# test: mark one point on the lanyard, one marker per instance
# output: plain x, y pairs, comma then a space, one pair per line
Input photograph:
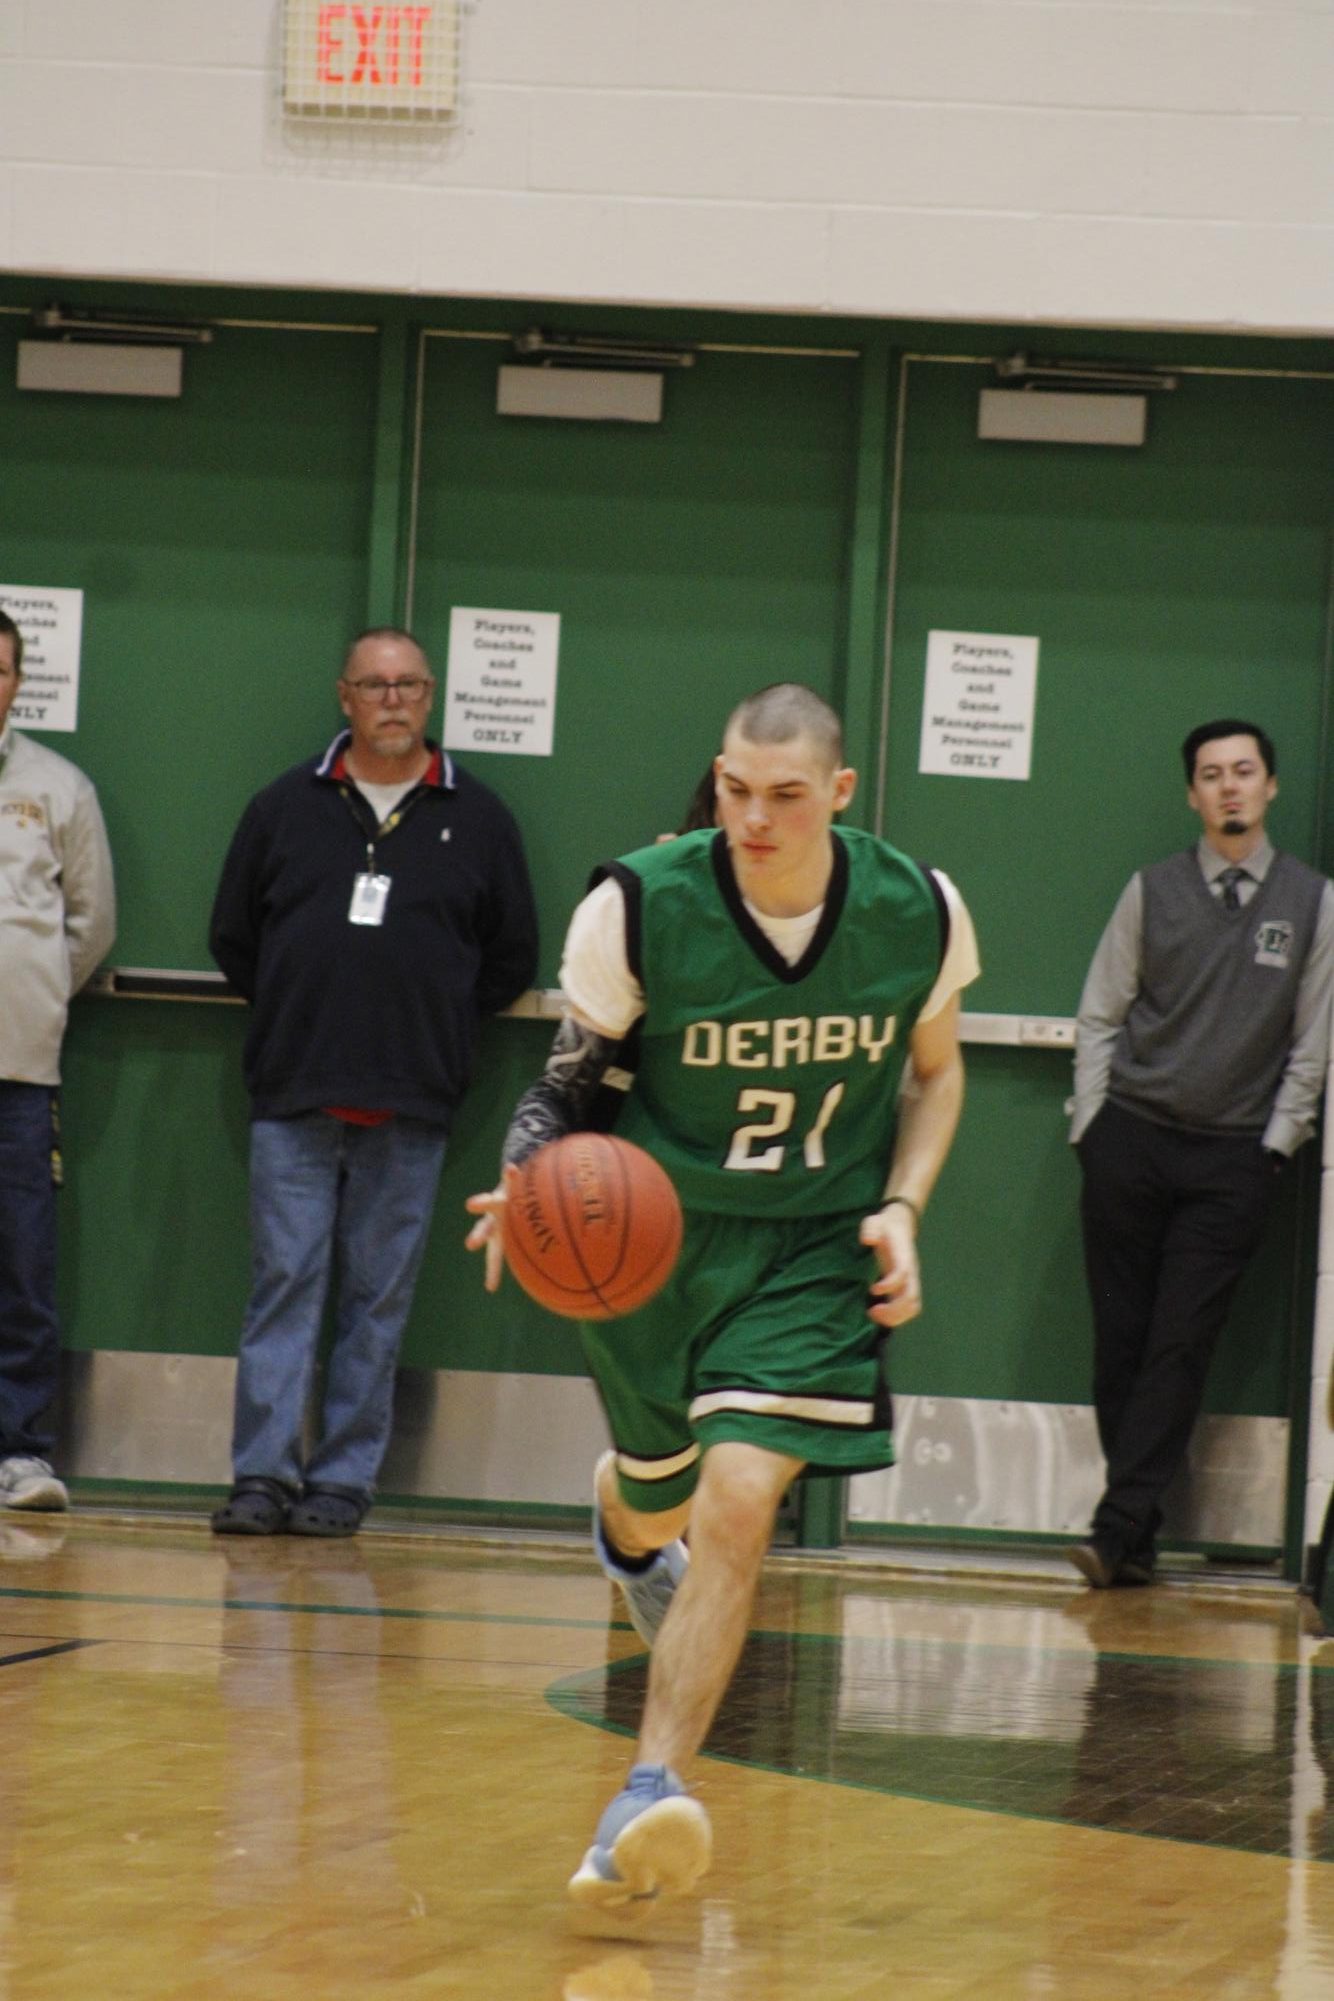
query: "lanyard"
351, 796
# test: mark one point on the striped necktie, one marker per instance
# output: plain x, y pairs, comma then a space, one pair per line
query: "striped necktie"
1231, 879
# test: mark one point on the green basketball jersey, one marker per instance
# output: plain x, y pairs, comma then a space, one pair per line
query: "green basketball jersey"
767, 1089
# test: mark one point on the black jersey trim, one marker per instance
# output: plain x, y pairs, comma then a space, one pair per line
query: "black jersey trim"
836, 895
884, 1396
941, 902
632, 889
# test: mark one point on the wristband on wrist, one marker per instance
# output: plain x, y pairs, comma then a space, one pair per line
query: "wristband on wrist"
890, 1200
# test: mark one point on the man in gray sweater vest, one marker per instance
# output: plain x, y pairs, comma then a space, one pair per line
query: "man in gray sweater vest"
1203, 1036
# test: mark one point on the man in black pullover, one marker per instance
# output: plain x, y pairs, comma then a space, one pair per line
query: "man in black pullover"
374, 904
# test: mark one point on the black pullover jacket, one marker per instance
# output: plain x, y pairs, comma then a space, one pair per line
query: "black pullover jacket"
365, 1016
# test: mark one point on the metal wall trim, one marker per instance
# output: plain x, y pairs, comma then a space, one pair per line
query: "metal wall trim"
516, 1440
1013, 1031
1036, 1468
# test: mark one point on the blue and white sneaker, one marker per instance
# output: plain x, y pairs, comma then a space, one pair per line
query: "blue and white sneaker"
647, 1593
652, 1839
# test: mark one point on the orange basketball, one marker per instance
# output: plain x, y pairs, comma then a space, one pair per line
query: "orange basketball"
593, 1228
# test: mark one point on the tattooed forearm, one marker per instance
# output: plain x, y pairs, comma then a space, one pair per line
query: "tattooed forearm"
559, 1101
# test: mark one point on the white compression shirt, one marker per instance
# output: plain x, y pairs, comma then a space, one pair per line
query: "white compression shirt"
382, 799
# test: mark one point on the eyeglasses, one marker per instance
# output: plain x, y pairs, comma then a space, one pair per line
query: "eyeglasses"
410, 689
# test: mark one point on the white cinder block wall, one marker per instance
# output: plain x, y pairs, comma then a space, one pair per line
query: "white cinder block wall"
1113, 162
1122, 162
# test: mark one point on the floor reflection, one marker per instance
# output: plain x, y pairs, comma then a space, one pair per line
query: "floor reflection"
287, 1772
1217, 1752
622, 1976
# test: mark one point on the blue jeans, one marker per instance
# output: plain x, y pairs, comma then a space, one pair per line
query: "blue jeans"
329, 1201
29, 1327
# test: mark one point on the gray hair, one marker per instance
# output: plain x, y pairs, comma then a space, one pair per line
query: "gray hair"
384, 632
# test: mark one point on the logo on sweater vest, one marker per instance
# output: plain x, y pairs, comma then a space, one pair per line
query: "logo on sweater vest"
1273, 944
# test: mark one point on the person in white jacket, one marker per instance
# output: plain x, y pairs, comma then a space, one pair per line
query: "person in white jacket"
57, 921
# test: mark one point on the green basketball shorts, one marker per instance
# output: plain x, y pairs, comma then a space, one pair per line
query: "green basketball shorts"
760, 1335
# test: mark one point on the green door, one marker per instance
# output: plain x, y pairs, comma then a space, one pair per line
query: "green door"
1166, 585
219, 541
691, 562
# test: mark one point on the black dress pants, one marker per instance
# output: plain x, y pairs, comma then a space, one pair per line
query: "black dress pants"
1170, 1219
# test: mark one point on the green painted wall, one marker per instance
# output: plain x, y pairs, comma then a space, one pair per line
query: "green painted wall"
691, 562
1167, 585
220, 542
1185, 580
230, 543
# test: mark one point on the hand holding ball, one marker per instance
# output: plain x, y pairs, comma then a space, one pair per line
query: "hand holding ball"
592, 1226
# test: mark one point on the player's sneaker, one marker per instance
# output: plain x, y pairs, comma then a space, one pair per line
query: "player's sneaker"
30, 1483
652, 1838
647, 1593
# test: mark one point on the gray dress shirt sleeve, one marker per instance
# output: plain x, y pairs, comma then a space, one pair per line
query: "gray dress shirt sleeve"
1292, 1119
1109, 989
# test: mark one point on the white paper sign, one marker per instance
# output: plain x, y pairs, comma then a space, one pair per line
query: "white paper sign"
51, 622
977, 716
500, 689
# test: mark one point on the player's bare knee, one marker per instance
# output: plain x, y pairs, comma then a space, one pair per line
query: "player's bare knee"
746, 1473
737, 1513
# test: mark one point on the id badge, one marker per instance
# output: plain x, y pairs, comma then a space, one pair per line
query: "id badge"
370, 894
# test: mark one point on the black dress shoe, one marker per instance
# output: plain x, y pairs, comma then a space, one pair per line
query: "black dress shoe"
1098, 1561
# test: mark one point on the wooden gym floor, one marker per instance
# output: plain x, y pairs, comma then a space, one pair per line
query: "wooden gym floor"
250, 1771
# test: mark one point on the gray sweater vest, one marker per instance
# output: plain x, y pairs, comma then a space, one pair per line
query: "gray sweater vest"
1208, 1034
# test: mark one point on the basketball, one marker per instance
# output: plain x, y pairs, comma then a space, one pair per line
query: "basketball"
593, 1228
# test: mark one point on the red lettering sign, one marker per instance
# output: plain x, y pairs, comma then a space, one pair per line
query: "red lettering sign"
391, 45
325, 43
416, 18
368, 22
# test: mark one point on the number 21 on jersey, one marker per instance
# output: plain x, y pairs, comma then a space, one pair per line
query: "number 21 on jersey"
749, 1152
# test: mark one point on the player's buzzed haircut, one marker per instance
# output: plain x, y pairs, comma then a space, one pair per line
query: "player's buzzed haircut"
384, 632
8, 628
786, 710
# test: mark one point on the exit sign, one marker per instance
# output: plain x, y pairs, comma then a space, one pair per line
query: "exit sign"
371, 59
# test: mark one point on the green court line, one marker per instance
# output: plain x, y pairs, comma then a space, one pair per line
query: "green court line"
429, 1617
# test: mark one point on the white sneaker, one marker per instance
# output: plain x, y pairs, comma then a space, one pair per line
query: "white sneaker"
30, 1483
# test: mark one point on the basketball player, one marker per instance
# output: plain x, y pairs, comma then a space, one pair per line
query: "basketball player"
790, 975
